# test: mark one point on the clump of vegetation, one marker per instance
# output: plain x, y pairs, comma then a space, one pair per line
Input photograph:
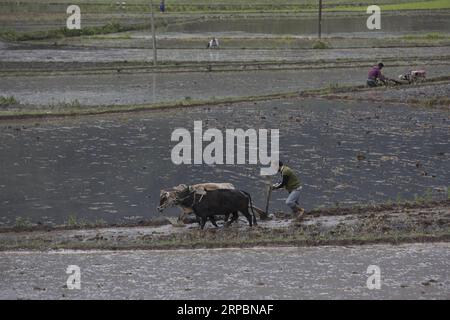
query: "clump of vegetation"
333, 87
75, 104
112, 27
418, 199
22, 223
319, 44
8, 101
435, 36
74, 222
72, 105
9, 35
100, 223
427, 36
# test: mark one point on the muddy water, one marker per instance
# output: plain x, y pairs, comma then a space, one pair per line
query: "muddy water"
109, 89
107, 167
332, 25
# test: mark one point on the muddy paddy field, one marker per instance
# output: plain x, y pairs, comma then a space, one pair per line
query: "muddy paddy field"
49, 91
112, 167
85, 148
261, 273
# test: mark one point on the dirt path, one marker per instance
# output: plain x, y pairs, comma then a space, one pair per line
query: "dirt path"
412, 271
334, 226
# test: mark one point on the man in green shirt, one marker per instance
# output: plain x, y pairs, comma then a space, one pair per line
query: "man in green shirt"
292, 184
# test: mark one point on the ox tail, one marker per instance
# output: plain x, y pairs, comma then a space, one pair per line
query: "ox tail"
251, 206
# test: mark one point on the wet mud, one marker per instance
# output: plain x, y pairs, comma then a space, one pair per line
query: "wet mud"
113, 167
413, 271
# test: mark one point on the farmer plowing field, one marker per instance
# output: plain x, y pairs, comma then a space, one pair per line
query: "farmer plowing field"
207, 200
376, 78
292, 184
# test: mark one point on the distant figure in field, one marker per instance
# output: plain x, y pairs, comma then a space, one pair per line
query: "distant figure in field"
375, 75
162, 6
213, 43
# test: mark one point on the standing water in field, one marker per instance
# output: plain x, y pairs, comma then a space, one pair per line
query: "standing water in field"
113, 167
332, 25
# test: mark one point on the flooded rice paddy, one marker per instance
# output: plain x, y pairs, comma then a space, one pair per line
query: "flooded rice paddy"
410, 271
112, 168
94, 55
333, 25
121, 89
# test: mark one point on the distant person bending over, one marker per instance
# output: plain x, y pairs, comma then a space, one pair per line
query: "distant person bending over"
375, 74
292, 184
213, 43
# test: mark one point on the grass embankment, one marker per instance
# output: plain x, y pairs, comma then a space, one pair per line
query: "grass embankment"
75, 109
427, 36
398, 6
112, 27
209, 241
265, 43
400, 223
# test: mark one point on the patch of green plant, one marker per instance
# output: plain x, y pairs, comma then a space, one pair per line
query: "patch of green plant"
72, 105
319, 44
9, 35
74, 222
427, 36
100, 223
112, 27
22, 223
333, 87
8, 101
418, 199
71, 221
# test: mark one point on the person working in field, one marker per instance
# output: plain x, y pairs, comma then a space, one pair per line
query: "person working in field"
213, 43
292, 184
375, 75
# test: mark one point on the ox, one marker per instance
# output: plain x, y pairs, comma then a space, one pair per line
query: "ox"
208, 199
